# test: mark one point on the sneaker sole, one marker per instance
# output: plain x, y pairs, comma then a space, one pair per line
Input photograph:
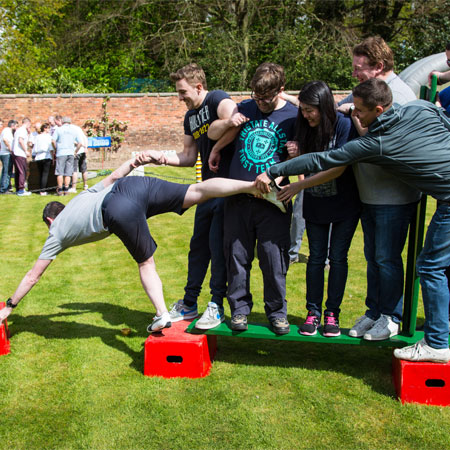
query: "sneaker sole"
306, 333
280, 332
167, 325
186, 317
332, 334
207, 326
239, 327
371, 338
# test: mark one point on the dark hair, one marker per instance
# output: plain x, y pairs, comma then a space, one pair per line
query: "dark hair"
447, 47
52, 210
376, 51
11, 123
268, 78
316, 139
373, 92
44, 126
192, 73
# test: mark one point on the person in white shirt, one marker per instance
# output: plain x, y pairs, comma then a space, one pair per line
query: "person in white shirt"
43, 151
79, 162
21, 152
6, 155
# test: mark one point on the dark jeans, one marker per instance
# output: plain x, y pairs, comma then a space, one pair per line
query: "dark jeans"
248, 222
385, 230
207, 245
44, 166
7, 163
340, 239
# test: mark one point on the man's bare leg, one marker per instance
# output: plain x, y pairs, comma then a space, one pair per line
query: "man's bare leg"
217, 187
152, 285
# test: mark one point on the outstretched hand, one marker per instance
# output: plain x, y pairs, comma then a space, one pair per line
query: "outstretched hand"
4, 313
150, 157
287, 192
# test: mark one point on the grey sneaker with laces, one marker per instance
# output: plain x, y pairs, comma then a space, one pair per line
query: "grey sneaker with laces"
180, 311
362, 325
211, 318
382, 329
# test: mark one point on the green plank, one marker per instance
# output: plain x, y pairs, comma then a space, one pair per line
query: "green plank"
262, 331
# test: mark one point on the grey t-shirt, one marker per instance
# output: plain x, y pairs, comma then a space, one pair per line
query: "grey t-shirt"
81, 221
375, 185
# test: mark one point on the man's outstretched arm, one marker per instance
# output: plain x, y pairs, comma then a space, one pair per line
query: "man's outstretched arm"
25, 286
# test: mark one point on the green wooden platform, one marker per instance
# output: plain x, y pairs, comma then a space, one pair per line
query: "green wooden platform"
262, 331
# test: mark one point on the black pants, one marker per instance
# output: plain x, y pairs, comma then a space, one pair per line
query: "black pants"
44, 169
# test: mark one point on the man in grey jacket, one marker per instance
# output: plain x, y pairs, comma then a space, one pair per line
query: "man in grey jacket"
412, 142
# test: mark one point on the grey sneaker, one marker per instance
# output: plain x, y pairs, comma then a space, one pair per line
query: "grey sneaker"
212, 317
362, 325
280, 326
383, 328
272, 197
239, 322
421, 351
180, 311
159, 322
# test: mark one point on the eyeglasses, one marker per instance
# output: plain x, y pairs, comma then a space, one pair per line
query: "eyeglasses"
266, 99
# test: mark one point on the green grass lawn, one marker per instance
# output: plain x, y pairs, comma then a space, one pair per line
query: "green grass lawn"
73, 381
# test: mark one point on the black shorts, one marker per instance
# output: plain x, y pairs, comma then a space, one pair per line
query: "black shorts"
131, 202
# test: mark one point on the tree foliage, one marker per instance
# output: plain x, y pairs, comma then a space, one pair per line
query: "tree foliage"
93, 46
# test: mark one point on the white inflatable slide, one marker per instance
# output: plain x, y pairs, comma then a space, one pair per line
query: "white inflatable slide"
416, 74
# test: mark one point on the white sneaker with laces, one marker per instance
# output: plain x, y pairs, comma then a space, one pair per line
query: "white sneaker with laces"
160, 322
72, 191
212, 317
180, 311
383, 328
362, 325
421, 351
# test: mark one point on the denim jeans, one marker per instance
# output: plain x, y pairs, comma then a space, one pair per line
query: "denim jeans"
385, 229
7, 163
297, 226
318, 238
431, 266
207, 245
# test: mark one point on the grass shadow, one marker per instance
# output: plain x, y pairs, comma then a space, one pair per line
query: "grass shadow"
49, 327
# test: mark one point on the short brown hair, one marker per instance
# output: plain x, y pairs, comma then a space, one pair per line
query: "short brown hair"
373, 92
376, 51
51, 210
268, 77
192, 73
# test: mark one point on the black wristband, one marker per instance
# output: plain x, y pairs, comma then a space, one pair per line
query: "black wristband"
10, 304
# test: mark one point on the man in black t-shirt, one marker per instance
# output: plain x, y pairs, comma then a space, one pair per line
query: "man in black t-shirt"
206, 244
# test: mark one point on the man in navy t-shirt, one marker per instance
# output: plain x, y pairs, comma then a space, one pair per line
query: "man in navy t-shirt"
206, 244
261, 127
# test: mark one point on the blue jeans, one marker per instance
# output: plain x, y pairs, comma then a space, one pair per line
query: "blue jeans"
431, 266
5, 179
318, 238
297, 226
385, 229
207, 245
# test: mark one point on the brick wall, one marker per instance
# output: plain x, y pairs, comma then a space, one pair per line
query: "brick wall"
154, 120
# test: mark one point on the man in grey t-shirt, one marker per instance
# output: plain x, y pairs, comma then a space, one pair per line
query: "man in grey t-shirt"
121, 206
388, 203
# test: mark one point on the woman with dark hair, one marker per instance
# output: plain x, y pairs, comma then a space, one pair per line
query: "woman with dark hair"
331, 205
43, 150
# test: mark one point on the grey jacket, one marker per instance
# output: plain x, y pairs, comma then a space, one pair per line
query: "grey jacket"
411, 141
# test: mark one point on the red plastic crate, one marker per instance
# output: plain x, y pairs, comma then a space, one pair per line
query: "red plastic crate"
4, 336
175, 353
421, 382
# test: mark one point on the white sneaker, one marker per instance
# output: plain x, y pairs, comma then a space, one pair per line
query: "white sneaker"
72, 191
272, 197
383, 328
421, 351
160, 322
43, 192
212, 317
180, 311
362, 325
